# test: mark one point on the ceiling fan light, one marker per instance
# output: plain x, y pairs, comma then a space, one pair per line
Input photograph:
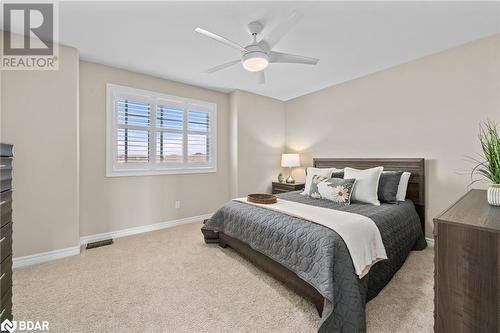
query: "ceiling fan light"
255, 61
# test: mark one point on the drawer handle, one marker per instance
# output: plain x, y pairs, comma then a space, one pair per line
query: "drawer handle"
1, 277
1, 313
1, 203
1, 240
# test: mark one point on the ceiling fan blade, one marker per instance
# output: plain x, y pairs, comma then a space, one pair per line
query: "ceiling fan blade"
275, 35
261, 77
225, 65
220, 39
291, 58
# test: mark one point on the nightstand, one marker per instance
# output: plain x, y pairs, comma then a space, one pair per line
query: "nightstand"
284, 187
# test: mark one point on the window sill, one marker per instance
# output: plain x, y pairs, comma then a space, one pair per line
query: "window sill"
159, 172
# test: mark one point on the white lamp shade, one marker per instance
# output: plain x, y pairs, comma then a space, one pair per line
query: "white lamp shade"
290, 160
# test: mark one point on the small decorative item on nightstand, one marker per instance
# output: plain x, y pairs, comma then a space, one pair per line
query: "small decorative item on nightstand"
286, 187
281, 178
290, 161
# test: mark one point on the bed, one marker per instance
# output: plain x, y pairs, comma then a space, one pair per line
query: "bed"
313, 260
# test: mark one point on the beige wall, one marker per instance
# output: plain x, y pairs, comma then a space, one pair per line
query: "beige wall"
426, 108
39, 115
110, 204
257, 141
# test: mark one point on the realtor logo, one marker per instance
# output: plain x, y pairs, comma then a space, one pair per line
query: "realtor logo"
8, 325
29, 35
37, 21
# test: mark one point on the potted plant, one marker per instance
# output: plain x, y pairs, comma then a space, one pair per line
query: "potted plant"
489, 165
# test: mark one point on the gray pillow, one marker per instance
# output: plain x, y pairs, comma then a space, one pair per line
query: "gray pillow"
337, 190
339, 174
388, 186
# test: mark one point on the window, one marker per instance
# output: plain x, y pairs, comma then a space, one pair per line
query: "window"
150, 133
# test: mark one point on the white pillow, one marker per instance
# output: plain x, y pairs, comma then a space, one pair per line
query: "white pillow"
366, 187
311, 172
403, 186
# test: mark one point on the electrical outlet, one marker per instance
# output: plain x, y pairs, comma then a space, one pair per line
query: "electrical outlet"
177, 204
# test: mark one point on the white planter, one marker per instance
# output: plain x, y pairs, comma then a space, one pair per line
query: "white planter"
494, 194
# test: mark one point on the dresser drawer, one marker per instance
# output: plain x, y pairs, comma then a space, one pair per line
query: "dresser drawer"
5, 185
5, 197
5, 150
5, 207
5, 163
5, 213
6, 276
6, 306
5, 174
5, 241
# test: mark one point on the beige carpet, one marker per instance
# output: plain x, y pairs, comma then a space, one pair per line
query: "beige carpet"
170, 281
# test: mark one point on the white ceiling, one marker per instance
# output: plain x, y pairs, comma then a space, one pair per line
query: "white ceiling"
351, 39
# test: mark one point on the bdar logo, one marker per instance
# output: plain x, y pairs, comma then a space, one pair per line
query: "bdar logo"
9, 326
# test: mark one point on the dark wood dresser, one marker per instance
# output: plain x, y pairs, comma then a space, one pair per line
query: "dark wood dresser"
467, 266
5, 232
286, 187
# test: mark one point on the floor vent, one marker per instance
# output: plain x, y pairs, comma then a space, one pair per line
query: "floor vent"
99, 243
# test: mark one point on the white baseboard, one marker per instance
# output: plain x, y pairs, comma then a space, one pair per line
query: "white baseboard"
144, 228
430, 241
45, 256
75, 250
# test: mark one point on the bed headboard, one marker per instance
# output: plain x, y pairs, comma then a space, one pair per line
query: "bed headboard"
416, 185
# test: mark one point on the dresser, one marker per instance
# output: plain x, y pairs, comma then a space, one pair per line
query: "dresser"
467, 266
286, 187
5, 231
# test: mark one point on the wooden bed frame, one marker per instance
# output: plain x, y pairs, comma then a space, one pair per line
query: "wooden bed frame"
415, 192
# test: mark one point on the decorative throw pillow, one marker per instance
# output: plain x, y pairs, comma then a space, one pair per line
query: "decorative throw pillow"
337, 190
388, 186
403, 186
315, 181
338, 174
310, 172
366, 187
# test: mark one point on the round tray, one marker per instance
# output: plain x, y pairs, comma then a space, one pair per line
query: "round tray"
262, 198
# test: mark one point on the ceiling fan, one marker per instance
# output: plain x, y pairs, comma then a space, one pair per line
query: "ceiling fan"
256, 56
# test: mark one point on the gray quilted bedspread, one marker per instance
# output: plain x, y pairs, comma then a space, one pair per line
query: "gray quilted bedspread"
320, 257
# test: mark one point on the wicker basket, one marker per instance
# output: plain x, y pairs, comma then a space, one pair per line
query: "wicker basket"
264, 199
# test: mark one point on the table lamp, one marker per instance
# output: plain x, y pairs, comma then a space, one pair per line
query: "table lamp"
290, 161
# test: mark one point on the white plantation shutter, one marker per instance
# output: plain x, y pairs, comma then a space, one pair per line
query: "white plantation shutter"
132, 145
151, 133
132, 134
169, 137
198, 136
